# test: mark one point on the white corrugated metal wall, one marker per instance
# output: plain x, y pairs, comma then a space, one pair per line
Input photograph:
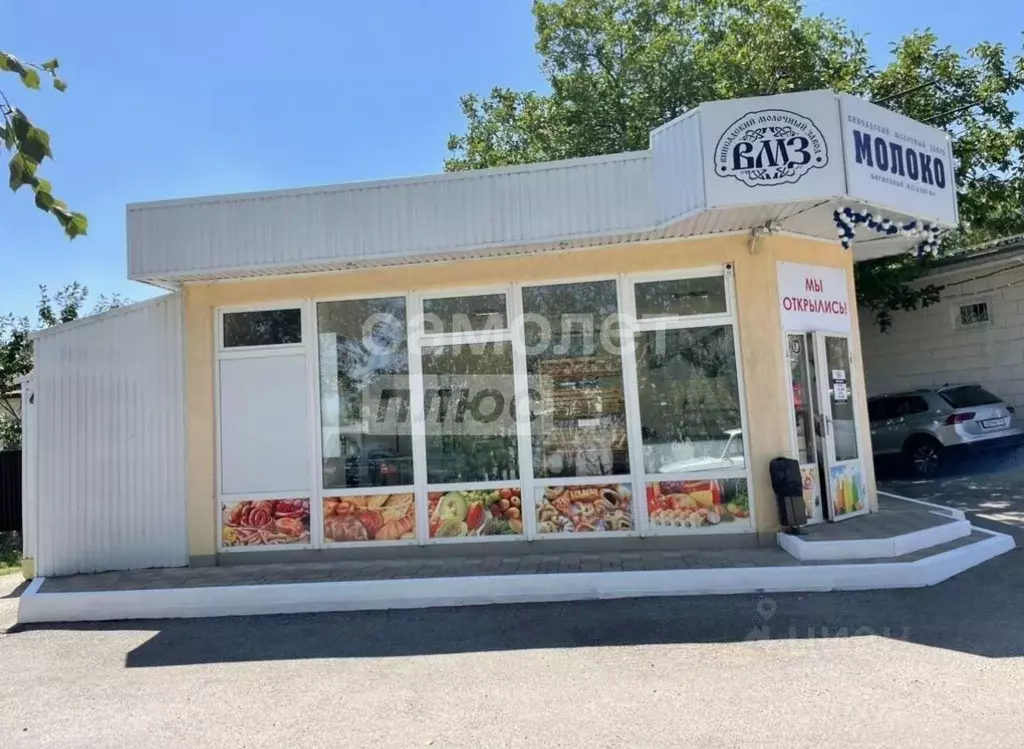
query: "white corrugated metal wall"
109, 442
403, 218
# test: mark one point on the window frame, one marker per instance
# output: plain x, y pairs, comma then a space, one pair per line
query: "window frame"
728, 318
268, 349
958, 307
222, 353
539, 484
528, 484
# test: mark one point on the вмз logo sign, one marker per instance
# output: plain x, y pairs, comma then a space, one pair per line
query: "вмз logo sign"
770, 147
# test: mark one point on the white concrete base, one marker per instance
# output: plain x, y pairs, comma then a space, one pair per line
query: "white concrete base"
467, 591
873, 548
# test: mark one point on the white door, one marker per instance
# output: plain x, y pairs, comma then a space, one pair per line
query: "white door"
845, 489
803, 421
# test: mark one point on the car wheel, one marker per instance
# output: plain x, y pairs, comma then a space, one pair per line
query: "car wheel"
924, 457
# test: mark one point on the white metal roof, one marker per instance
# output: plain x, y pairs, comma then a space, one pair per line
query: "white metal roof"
679, 187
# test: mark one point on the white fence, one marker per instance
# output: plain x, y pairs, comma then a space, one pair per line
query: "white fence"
104, 486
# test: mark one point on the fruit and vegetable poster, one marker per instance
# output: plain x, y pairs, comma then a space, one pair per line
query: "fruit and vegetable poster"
849, 492
584, 509
378, 517
698, 504
485, 512
267, 522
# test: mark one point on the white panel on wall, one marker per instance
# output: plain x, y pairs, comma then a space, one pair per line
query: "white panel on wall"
676, 163
109, 442
264, 425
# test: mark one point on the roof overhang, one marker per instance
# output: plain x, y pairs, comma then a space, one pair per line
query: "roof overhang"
785, 163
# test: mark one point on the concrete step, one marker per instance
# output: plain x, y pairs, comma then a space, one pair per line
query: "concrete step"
823, 549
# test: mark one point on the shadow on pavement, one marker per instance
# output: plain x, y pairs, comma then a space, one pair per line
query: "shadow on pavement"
978, 612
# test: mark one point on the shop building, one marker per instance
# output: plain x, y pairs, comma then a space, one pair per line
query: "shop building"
594, 353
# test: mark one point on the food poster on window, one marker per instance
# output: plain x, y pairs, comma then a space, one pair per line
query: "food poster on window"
704, 503
376, 517
847, 489
481, 512
265, 522
584, 509
812, 496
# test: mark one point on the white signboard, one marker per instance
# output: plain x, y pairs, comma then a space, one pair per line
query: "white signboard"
813, 298
840, 393
771, 149
897, 163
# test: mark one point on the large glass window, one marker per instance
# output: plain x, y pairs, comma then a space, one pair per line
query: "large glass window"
574, 363
364, 393
689, 400
468, 398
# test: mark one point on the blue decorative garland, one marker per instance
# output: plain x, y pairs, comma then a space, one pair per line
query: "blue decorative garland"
847, 219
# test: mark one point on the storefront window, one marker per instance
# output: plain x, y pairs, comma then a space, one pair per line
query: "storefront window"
689, 400
574, 364
463, 314
681, 297
470, 424
364, 393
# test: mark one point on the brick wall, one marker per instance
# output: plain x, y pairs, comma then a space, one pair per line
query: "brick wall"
927, 348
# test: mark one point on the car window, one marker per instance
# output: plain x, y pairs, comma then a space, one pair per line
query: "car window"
908, 405
879, 409
968, 396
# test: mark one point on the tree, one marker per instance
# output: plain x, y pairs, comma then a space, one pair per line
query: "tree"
16, 348
619, 68
30, 145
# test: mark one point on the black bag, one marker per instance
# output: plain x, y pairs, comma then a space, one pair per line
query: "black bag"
789, 491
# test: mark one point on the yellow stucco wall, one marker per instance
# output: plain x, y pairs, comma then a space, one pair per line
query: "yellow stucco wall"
757, 308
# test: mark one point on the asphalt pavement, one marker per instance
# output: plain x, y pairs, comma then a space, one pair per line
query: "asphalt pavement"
939, 666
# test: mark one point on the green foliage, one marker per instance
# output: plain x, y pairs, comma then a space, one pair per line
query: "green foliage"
30, 145
619, 68
16, 348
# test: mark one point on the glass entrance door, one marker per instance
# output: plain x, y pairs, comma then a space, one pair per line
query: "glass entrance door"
844, 484
803, 422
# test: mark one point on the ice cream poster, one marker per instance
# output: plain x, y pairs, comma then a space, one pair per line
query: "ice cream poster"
848, 491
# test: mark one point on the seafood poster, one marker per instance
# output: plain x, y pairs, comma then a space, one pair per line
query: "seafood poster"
484, 512
698, 504
266, 522
378, 517
584, 509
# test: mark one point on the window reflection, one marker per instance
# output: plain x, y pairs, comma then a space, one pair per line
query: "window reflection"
364, 393
689, 400
573, 359
470, 425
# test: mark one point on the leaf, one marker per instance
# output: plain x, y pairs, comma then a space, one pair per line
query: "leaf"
22, 172
50, 66
79, 226
36, 145
30, 78
44, 200
59, 84
20, 124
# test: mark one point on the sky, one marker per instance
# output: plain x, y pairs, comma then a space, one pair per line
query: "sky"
188, 98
